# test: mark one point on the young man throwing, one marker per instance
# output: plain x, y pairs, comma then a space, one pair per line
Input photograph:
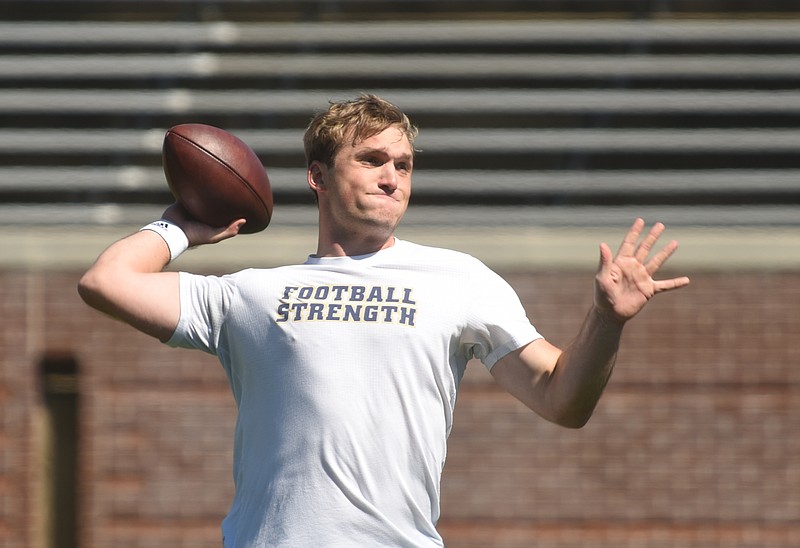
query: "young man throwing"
345, 368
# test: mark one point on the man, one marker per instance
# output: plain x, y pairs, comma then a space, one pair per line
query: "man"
345, 369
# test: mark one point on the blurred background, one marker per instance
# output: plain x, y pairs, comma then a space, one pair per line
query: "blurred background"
547, 126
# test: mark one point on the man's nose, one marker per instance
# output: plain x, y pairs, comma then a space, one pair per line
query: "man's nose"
388, 180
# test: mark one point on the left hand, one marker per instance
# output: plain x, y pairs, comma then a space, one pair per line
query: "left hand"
624, 283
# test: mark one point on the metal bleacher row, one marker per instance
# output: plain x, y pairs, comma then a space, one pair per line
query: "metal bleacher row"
552, 113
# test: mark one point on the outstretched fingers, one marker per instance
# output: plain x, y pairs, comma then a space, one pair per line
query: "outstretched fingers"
632, 247
657, 260
646, 246
670, 284
629, 244
655, 263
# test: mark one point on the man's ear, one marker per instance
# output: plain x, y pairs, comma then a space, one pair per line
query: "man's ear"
317, 172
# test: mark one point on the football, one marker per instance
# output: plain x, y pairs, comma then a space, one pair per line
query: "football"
216, 177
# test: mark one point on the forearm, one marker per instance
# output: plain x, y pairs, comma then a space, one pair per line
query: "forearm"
142, 252
564, 386
583, 369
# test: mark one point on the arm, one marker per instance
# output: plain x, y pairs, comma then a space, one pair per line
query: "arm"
564, 386
127, 282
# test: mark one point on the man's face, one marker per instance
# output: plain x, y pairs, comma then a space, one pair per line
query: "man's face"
369, 184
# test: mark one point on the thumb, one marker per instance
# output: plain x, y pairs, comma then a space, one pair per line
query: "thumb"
606, 257
229, 231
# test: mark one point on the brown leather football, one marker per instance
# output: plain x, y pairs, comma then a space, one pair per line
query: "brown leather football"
217, 177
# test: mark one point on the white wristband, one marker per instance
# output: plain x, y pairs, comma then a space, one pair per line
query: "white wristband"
173, 235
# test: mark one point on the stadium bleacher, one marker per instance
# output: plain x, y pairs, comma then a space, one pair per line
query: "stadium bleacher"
551, 112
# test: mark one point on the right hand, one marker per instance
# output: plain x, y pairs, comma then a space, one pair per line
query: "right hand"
200, 233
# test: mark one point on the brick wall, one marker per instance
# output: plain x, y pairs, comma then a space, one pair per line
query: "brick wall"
694, 444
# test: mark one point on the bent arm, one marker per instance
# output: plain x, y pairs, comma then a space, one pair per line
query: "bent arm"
563, 386
127, 283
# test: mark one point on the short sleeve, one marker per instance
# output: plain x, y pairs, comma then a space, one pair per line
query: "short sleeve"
496, 320
205, 302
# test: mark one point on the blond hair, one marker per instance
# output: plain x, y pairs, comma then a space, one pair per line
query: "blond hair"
355, 120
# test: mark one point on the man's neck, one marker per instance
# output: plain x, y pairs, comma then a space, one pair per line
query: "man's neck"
352, 248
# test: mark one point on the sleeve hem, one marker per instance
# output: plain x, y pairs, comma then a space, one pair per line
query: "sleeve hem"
505, 349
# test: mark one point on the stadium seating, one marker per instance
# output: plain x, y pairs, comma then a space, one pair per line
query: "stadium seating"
552, 112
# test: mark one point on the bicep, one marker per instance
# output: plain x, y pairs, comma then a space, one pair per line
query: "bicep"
526, 373
154, 305
149, 302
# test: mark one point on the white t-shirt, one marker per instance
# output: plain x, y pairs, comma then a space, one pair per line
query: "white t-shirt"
345, 372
